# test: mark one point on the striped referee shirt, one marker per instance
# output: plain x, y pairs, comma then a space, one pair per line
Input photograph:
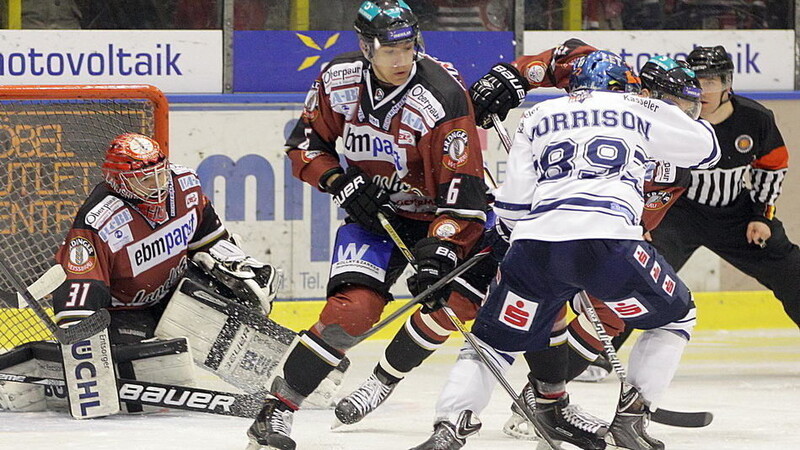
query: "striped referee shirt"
754, 157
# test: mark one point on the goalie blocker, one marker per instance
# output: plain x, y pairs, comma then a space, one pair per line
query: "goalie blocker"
236, 343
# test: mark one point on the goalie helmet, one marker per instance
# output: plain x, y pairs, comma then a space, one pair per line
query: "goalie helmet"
711, 62
387, 22
603, 70
137, 169
672, 80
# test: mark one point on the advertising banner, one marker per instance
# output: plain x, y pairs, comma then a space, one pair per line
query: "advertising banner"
763, 59
288, 61
174, 61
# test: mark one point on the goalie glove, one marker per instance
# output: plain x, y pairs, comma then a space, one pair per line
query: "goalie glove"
252, 281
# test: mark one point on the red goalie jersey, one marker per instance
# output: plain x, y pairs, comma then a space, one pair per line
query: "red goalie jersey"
116, 258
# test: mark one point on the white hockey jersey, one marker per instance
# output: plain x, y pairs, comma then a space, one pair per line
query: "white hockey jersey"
577, 166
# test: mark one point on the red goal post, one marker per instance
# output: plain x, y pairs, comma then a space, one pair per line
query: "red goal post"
52, 142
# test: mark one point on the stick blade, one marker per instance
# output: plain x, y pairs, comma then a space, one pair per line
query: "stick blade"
44, 285
682, 419
84, 329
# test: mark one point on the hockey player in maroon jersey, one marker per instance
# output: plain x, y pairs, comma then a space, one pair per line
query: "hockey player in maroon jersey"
131, 242
409, 140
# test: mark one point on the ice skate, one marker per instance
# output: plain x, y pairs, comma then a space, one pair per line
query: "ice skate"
448, 436
371, 394
272, 427
518, 426
629, 427
570, 425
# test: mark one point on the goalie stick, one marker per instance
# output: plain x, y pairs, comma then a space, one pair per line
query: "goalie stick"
46, 284
168, 396
472, 342
662, 416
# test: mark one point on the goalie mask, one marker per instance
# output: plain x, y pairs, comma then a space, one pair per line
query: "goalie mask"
137, 169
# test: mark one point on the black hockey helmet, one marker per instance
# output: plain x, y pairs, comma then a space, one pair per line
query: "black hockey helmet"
711, 62
663, 75
386, 22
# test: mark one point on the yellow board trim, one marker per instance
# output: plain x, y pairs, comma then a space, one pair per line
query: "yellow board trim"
715, 311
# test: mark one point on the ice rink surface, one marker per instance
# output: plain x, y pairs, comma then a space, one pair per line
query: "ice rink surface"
749, 379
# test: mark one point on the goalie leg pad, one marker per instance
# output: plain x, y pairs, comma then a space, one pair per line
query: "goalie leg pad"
20, 397
90, 377
235, 343
157, 361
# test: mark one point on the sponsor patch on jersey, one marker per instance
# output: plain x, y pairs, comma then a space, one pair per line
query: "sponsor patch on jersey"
657, 199
364, 143
535, 73
456, 145
655, 272
192, 199
517, 312
405, 137
668, 285
641, 256
744, 143
119, 219
308, 155
169, 241
188, 182
446, 229
119, 238
98, 215
628, 308
426, 104
342, 74
82, 256
311, 103
342, 96
413, 120
181, 170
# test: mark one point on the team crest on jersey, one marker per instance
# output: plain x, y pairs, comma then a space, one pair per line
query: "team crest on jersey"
311, 103
98, 215
628, 308
657, 200
641, 256
744, 143
517, 312
456, 144
82, 256
192, 199
535, 73
446, 229
668, 285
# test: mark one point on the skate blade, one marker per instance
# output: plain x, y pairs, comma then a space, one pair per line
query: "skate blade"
336, 424
256, 446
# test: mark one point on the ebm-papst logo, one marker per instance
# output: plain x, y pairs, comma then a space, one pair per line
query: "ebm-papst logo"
364, 143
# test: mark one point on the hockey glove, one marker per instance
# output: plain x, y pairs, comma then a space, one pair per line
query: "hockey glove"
497, 92
357, 194
435, 258
253, 282
498, 237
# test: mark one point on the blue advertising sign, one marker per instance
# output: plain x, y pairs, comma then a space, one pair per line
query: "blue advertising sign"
288, 61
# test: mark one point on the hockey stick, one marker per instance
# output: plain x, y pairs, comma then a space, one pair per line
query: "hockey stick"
472, 342
468, 264
168, 396
662, 416
46, 284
